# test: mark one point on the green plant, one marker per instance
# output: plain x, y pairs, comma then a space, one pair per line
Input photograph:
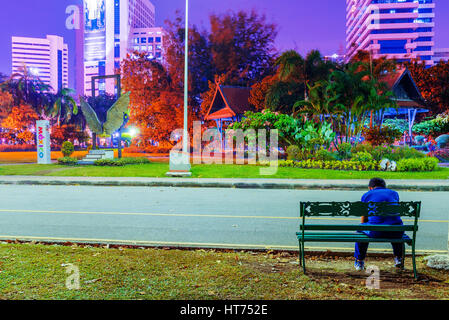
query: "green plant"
442, 155
418, 165
363, 147
68, 161
332, 165
325, 155
362, 156
293, 153
121, 162
386, 135
67, 148
344, 150
399, 124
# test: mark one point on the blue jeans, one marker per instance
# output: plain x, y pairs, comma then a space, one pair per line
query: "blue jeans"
361, 248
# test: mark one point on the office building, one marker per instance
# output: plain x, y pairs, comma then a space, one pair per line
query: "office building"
149, 40
46, 58
441, 55
399, 29
106, 38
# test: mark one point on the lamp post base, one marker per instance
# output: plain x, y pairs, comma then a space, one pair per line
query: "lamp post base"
179, 164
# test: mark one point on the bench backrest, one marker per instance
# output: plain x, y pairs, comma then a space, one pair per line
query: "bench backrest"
359, 209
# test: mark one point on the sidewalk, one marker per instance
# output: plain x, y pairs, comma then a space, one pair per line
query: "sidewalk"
292, 184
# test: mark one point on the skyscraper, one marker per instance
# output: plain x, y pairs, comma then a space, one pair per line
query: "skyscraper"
400, 29
46, 58
106, 37
150, 40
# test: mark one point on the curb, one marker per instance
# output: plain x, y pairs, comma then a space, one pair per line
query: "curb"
197, 183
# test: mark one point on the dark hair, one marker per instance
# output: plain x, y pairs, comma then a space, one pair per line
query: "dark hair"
377, 183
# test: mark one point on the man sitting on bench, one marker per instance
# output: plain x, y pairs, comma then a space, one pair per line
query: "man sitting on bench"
379, 193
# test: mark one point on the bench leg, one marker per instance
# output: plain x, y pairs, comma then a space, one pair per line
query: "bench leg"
300, 254
403, 256
303, 258
414, 261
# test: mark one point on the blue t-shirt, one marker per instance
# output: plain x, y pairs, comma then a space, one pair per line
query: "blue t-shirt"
382, 195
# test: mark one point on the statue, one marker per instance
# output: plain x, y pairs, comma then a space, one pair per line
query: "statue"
116, 118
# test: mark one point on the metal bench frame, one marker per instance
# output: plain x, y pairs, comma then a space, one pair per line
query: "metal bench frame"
329, 233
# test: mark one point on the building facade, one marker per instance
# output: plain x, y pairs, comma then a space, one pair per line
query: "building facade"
399, 29
149, 40
441, 55
46, 58
106, 38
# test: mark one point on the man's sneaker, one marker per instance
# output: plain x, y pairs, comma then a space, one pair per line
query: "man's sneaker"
359, 265
398, 262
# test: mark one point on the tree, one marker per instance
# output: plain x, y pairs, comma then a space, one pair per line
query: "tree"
156, 101
28, 89
295, 75
6, 103
433, 83
242, 46
17, 126
259, 92
64, 106
201, 69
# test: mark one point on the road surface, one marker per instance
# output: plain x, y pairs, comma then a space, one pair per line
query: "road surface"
190, 217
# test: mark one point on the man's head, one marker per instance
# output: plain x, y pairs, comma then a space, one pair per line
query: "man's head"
377, 183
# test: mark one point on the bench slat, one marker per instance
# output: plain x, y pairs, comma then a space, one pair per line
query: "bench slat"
328, 227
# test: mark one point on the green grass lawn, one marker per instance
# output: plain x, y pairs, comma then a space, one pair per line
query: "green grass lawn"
211, 171
34, 271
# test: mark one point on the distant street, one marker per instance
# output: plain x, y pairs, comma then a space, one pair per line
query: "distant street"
235, 218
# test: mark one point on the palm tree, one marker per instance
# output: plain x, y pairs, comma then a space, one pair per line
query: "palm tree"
294, 70
64, 106
27, 88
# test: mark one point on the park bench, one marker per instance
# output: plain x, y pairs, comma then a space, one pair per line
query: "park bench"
348, 232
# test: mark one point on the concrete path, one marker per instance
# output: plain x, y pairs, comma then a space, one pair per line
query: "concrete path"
292, 184
188, 217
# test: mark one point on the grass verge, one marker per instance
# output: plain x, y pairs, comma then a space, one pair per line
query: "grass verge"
157, 169
35, 271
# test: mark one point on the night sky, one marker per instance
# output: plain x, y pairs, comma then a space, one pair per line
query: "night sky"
303, 24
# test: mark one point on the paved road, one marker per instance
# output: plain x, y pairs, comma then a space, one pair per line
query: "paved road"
238, 218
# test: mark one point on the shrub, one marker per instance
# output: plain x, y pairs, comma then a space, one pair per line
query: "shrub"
325, 155
293, 153
362, 157
344, 150
382, 152
133, 149
120, 162
17, 147
67, 149
386, 135
417, 165
442, 141
332, 165
365, 147
154, 149
405, 153
109, 163
398, 124
139, 160
68, 161
442, 155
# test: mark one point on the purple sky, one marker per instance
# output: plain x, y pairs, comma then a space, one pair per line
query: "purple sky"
303, 24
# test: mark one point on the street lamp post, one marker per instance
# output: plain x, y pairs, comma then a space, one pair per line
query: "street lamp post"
186, 84
180, 161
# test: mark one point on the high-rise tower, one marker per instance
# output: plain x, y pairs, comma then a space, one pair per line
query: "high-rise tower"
400, 29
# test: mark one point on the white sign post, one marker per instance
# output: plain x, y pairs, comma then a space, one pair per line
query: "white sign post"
43, 142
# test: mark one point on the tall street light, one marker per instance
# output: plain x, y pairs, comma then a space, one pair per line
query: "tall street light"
180, 161
185, 139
